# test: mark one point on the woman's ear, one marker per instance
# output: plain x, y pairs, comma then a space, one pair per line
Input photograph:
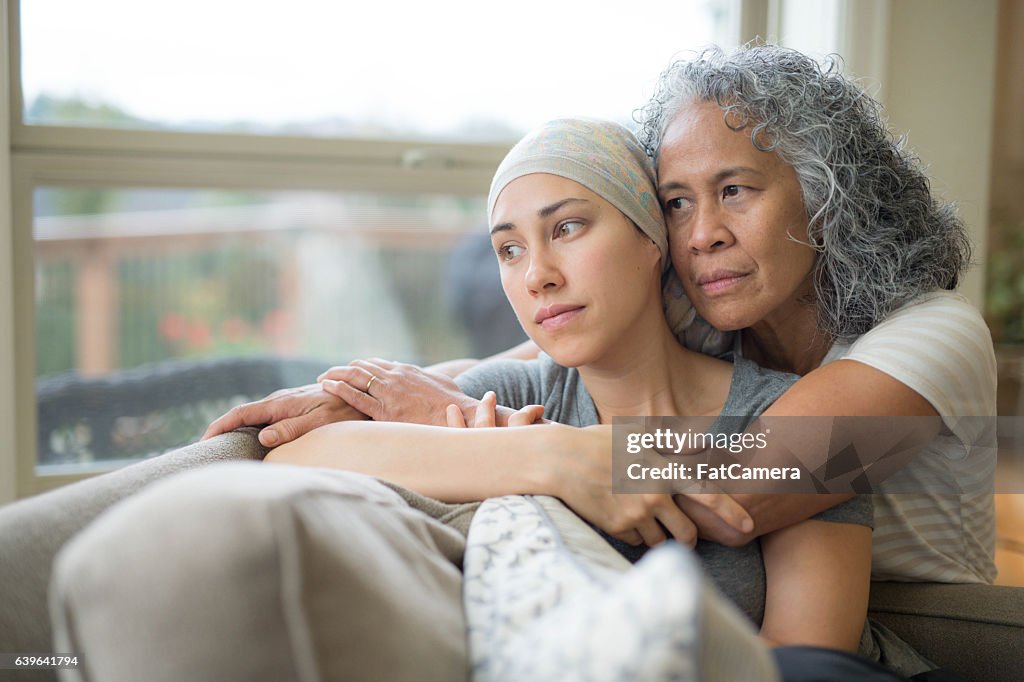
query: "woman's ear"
652, 250
655, 255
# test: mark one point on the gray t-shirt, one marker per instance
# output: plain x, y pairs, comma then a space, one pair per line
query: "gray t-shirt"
738, 572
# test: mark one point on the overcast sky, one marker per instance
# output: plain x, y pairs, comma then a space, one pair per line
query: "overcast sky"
428, 65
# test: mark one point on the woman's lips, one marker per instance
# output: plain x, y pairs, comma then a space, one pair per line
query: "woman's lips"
557, 316
718, 282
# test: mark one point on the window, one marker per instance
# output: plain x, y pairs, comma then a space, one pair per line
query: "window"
224, 183
137, 288
439, 70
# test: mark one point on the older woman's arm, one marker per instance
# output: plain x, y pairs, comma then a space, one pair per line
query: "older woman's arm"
419, 396
843, 388
930, 357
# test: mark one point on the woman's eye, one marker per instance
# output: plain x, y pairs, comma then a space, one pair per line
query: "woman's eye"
677, 204
509, 252
730, 191
568, 227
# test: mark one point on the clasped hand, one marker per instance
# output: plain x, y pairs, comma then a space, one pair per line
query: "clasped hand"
581, 475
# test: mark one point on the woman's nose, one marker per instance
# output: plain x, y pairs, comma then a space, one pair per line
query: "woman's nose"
544, 273
709, 230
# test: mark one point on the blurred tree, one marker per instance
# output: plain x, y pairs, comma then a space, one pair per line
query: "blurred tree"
1005, 299
52, 110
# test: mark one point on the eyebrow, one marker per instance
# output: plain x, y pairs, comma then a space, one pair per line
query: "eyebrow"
718, 177
542, 213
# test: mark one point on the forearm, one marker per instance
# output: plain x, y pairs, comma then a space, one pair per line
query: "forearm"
842, 389
452, 465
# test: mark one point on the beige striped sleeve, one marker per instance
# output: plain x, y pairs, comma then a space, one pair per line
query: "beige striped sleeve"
940, 346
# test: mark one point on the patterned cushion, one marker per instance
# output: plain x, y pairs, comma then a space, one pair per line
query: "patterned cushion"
546, 597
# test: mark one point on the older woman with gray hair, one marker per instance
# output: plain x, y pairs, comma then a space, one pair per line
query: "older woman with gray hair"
880, 238
798, 220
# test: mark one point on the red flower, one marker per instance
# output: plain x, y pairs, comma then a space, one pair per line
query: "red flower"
276, 323
173, 326
199, 335
234, 329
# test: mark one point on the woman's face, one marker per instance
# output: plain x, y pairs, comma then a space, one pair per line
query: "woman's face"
733, 213
577, 272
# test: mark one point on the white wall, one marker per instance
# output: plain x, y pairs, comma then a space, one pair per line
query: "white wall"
932, 65
939, 88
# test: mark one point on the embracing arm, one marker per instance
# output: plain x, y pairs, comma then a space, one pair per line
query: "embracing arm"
818, 576
933, 356
401, 392
458, 465
411, 394
843, 388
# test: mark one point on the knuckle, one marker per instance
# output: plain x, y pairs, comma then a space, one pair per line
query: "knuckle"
688, 533
685, 533
651, 503
618, 527
625, 524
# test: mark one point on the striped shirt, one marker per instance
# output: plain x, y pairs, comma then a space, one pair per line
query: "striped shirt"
939, 346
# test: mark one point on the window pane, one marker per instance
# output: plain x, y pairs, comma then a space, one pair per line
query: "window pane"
146, 300
453, 69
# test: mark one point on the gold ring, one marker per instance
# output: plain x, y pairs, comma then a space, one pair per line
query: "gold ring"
369, 383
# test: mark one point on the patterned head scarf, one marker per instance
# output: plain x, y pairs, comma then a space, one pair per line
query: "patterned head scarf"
605, 158
602, 156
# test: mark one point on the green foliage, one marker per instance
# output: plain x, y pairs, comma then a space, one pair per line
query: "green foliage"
48, 109
72, 201
1005, 299
55, 317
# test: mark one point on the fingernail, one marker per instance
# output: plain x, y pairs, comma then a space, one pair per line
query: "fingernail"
747, 525
269, 438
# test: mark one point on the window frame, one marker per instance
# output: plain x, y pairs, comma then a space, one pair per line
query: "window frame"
44, 155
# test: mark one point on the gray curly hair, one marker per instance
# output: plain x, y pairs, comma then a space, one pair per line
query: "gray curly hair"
881, 237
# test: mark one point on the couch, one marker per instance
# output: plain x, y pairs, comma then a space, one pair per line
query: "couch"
976, 630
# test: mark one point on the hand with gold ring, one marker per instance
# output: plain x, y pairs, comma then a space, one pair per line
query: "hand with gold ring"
401, 392
287, 414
